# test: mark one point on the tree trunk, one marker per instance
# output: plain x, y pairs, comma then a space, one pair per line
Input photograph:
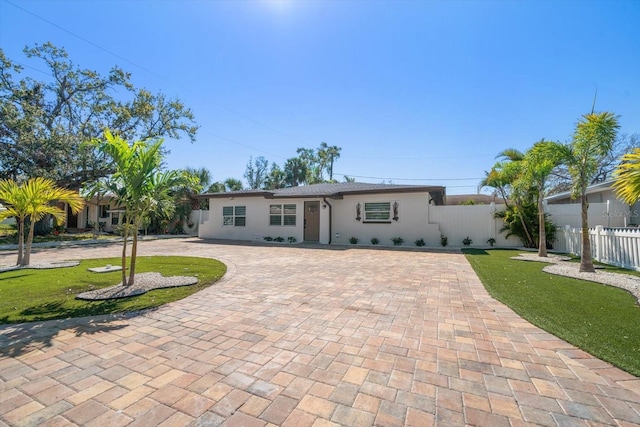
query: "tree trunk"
524, 226
542, 231
27, 252
134, 251
20, 240
586, 261
124, 255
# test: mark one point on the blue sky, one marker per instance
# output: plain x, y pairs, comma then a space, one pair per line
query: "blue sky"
416, 92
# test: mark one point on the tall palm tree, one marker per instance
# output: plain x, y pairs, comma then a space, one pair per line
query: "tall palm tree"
592, 140
627, 177
34, 200
139, 185
538, 164
327, 156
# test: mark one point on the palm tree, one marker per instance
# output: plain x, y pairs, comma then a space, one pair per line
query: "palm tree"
327, 156
627, 177
139, 186
296, 171
503, 173
34, 200
592, 140
232, 184
504, 177
538, 164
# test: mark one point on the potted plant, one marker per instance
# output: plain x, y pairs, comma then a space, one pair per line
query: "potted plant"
491, 241
467, 241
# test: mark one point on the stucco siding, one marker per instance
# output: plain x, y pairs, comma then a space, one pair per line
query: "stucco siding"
412, 223
257, 220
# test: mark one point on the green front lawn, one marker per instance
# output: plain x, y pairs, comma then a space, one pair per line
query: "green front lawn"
602, 320
29, 295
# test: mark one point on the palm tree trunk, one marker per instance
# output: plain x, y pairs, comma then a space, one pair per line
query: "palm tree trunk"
524, 226
20, 240
586, 261
542, 232
134, 251
124, 255
27, 252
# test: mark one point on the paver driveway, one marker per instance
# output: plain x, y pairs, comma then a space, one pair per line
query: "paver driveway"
307, 336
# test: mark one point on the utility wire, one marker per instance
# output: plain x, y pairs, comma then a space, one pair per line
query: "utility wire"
408, 179
85, 40
412, 158
149, 71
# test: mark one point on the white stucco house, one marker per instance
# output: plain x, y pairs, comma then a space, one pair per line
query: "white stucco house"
324, 213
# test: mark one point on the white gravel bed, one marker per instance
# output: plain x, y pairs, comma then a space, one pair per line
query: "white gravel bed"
40, 266
143, 283
572, 269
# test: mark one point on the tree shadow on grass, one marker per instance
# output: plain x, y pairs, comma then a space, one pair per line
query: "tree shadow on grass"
21, 338
474, 251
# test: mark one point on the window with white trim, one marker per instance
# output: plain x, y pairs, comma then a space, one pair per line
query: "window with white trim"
234, 216
377, 212
284, 214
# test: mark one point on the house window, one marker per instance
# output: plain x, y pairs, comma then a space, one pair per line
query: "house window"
282, 215
103, 211
377, 212
234, 216
115, 217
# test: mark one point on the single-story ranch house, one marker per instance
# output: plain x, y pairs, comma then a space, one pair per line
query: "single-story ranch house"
324, 213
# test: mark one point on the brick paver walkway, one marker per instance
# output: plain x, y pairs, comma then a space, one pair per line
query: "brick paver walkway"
298, 336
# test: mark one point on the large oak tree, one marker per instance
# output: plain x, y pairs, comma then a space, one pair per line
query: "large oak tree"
44, 121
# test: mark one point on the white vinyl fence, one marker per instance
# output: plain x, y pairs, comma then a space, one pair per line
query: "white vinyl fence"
614, 246
477, 222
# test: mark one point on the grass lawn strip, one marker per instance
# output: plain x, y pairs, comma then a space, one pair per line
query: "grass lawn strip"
601, 320
28, 295
571, 269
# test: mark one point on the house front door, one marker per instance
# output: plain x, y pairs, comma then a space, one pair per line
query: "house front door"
72, 219
311, 221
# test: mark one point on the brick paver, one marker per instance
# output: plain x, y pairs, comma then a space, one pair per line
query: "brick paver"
299, 335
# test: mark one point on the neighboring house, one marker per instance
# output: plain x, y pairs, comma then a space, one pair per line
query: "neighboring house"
604, 208
325, 213
105, 210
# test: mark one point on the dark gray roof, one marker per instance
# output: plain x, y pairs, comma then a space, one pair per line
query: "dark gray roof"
335, 191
